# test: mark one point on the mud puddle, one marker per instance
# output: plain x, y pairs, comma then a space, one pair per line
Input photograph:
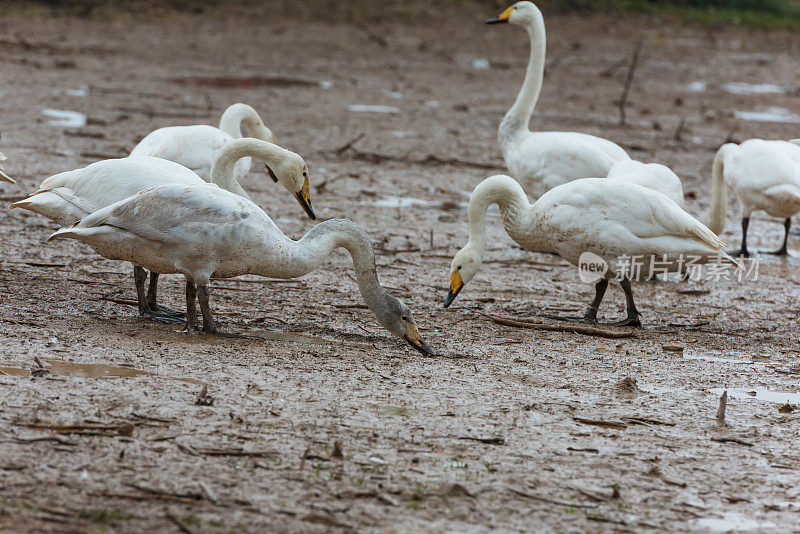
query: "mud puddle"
790, 397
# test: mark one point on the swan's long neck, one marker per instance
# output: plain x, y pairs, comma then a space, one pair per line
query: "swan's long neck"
231, 120
309, 252
518, 116
510, 198
223, 165
719, 192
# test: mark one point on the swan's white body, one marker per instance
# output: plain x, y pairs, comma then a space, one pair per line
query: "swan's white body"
652, 175
544, 160
69, 196
203, 231
614, 220
763, 175
194, 146
3, 176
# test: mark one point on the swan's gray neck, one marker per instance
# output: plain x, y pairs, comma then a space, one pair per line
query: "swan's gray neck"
517, 119
314, 247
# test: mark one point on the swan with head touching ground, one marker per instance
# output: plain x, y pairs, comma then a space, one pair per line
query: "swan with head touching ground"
764, 175
544, 160
613, 220
194, 146
202, 231
3, 176
70, 196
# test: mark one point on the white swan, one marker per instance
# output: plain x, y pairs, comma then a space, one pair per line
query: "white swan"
70, 196
194, 146
652, 175
764, 175
3, 176
613, 220
544, 160
202, 231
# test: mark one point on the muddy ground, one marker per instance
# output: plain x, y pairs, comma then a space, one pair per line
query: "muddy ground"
487, 435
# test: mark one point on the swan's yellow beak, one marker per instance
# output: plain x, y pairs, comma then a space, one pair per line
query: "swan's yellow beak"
503, 17
414, 339
456, 285
304, 198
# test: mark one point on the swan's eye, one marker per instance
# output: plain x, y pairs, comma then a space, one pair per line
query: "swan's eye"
458, 268
305, 174
405, 318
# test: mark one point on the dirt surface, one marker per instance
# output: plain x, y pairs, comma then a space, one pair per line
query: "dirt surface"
492, 433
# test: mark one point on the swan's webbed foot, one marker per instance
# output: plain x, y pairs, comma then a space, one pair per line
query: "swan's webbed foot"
783, 251
159, 317
630, 320
166, 312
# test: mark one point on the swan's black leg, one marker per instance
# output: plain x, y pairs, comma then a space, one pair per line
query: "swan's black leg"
208, 317
591, 313
139, 277
743, 250
633, 314
152, 296
783, 251
191, 306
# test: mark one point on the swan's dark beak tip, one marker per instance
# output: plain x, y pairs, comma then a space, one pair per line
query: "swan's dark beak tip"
420, 346
495, 20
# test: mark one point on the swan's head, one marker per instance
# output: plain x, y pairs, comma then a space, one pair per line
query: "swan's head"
465, 266
395, 317
256, 127
521, 13
292, 173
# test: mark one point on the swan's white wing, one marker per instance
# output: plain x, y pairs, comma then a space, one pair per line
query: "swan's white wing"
179, 214
193, 147
615, 219
652, 175
548, 159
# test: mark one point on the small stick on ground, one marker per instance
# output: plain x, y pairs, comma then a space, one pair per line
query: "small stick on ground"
183, 527
723, 403
577, 329
626, 88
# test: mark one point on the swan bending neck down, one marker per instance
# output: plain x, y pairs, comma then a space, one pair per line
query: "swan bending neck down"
3, 176
224, 235
613, 220
238, 115
543, 160
764, 175
68, 197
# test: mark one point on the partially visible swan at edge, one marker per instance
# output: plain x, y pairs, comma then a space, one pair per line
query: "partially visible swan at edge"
194, 146
202, 231
3, 176
544, 160
611, 219
70, 196
651, 175
764, 175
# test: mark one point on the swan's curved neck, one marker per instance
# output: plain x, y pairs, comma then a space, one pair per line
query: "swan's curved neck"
231, 120
518, 116
313, 248
223, 165
719, 193
510, 198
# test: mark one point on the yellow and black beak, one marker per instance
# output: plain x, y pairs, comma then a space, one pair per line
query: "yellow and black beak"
414, 339
304, 198
456, 285
502, 17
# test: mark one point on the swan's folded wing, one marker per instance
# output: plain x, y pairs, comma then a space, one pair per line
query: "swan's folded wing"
177, 214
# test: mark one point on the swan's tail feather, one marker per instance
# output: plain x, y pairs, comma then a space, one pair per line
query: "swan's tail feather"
6, 178
73, 232
719, 196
